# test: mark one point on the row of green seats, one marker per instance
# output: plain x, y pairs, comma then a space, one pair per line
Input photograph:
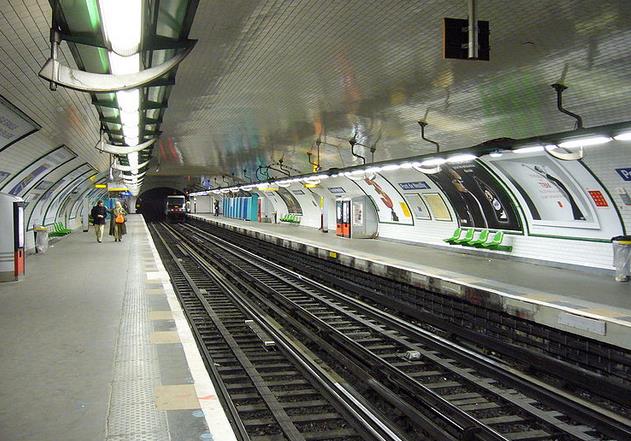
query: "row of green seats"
468, 240
59, 230
291, 218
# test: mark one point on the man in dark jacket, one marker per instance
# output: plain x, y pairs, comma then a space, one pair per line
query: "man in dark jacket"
98, 219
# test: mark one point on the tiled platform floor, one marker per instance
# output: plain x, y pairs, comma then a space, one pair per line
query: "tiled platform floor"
94, 346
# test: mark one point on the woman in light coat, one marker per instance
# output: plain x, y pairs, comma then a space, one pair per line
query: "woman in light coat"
118, 229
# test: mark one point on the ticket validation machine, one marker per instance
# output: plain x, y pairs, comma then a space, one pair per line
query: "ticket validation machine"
343, 218
12, 238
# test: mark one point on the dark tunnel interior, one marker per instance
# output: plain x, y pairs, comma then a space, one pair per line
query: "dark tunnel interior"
151, 203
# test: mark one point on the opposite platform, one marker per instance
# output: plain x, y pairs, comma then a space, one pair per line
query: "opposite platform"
94, 346
587, 304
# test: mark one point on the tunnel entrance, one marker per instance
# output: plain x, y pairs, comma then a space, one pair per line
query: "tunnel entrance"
151, 203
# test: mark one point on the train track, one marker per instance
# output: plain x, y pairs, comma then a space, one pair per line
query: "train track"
461, 394
588, 367
271, 389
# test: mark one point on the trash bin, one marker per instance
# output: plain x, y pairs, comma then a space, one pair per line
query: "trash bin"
622, 257
41, 239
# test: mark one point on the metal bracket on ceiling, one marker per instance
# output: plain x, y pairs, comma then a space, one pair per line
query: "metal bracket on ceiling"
139, 175
284, 170
245, 175
58, 74
353, 142
278, 170
121, 167
423, 124
121, 149
559, 152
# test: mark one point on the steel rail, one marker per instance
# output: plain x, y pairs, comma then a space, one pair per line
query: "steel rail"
344, 397
587, 365
602, 420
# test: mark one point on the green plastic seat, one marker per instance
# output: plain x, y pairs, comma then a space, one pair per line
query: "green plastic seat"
496, 243
60, 230
466, 238
482, 238
455, 236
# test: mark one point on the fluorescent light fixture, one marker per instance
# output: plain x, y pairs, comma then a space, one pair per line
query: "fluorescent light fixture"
246, 188
283, 184
457, 159
433, 162
373, 170
122, 24
124, 65
131, 131
128, 100
130, 118
391, 167
496, 154
323, 176
132, 158
624, 136
131, 141
584, 142
529, 149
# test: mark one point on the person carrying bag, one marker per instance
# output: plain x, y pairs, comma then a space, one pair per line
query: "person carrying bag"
118, 225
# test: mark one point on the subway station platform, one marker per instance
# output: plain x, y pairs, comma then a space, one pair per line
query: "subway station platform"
584, 303
94, 345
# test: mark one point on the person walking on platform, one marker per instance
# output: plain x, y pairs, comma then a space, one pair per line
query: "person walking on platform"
98, 220
117, 224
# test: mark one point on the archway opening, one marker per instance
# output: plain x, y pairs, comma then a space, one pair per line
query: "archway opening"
151, 203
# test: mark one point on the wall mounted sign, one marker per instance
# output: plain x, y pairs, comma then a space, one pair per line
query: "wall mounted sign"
337, 190
625, 173
421, 185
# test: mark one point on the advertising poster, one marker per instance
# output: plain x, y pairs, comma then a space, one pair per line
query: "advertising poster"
290, 200
551, 195
67, 185
477, 197
26, 179
358, 213
437, 206
4, 175
418, 207
13, 124
391, 207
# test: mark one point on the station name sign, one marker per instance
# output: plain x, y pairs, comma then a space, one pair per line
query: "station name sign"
420, 185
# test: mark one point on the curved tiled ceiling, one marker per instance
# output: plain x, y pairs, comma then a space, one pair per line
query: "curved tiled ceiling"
268, 77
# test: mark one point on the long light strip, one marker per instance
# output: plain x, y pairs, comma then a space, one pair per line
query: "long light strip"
432, 164
122, 24
624, 136
584, 142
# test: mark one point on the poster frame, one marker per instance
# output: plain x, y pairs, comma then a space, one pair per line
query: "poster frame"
21, 114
